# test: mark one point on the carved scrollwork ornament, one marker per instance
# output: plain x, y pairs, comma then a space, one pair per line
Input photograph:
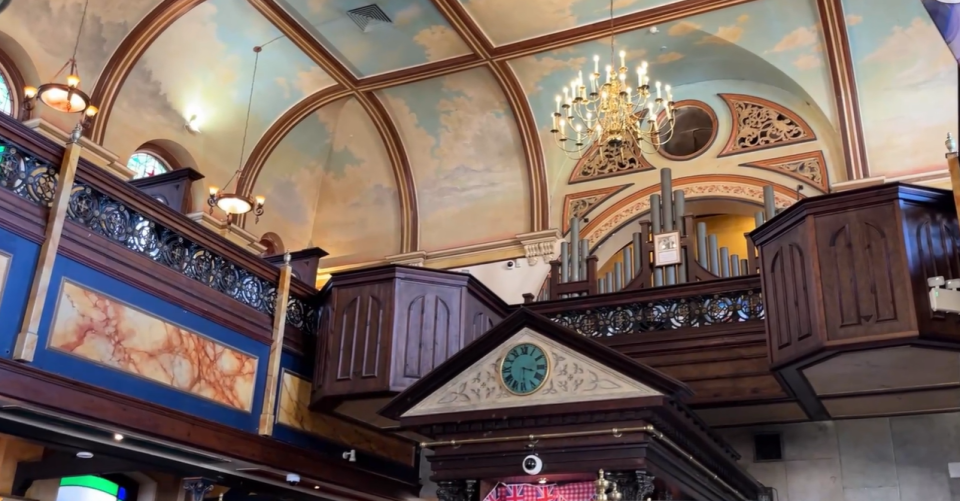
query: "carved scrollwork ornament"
634, 485
197, 487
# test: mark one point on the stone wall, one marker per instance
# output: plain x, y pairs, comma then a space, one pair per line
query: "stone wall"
883, 459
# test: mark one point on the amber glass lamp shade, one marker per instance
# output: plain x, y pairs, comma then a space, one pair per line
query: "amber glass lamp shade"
65, 98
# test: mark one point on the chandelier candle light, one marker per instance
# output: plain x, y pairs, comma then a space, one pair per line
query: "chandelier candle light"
609, 111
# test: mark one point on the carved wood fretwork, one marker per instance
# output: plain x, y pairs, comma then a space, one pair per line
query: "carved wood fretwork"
760, 124
811, 168
581, 203
633, 485
610, 161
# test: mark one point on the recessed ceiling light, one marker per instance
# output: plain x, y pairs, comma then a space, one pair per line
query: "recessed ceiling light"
118, 437
316, 487
84, 455
542, 481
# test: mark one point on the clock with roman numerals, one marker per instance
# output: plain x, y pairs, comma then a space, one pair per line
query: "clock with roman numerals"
524, 369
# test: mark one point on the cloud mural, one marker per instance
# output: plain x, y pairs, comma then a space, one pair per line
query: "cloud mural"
506, 21
467, 158
47, 31
417, 35
218, 37
907, 84
330, 181
765, 46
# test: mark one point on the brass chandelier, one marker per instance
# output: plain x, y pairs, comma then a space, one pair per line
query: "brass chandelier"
234, 203
610, 112
64, 97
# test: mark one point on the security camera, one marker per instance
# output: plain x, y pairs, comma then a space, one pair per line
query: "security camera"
293, 478
512, 265
532, 465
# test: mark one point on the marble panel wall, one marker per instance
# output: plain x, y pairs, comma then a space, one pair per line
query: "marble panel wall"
883, 459
103, 330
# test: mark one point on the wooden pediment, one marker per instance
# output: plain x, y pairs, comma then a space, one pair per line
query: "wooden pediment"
583, 373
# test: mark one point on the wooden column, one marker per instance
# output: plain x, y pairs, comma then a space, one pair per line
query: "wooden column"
844, 87
271, 390
26, 344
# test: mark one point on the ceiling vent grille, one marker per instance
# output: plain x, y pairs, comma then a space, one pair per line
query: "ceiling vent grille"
368, 15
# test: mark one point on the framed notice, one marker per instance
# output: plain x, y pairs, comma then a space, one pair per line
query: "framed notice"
666, 249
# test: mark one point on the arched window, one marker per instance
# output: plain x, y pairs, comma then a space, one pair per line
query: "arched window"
6, 102
146, 165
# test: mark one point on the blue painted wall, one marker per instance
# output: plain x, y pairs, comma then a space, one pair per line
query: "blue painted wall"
116, 380
17, 287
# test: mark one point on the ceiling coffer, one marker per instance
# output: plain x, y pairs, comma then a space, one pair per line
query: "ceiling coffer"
368, 15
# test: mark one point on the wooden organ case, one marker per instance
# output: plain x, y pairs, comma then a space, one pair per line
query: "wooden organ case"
530, 387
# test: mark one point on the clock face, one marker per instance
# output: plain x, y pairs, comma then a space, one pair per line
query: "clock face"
524, 369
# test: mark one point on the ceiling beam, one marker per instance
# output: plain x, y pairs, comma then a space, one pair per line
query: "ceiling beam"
466, 27
390, 136
845, 88
121, 63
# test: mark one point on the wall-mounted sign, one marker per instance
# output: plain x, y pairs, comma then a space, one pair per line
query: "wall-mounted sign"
666, 249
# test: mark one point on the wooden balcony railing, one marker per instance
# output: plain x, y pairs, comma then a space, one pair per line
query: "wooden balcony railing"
103, 206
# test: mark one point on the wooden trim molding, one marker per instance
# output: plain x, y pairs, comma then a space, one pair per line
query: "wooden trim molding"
169, 161
406, 191
693, 103
15, 83
121, 63
844, 87
280, 128
809, 168
532, 149
590, 199
744, 108
455, 14
601, 29
338, 478
701, 186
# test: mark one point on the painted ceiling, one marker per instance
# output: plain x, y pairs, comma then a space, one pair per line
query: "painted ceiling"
430, 130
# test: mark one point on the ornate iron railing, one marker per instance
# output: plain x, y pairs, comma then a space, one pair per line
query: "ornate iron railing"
28, 176
112, 219
664, 314
35, 179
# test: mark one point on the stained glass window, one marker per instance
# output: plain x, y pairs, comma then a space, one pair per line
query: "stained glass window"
6, 104
146, 165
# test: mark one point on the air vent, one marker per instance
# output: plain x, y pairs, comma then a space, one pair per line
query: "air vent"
368, 16
767, 447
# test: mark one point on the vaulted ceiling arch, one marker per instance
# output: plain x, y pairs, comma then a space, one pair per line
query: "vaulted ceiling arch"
126, 56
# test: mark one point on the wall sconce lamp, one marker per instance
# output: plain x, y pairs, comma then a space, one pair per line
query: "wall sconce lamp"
193, 125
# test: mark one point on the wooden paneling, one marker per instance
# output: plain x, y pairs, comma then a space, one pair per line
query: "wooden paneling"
428, 329
58, 394
391, 326
357, 354
171, 188
860, 269
932, 241
791, 293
